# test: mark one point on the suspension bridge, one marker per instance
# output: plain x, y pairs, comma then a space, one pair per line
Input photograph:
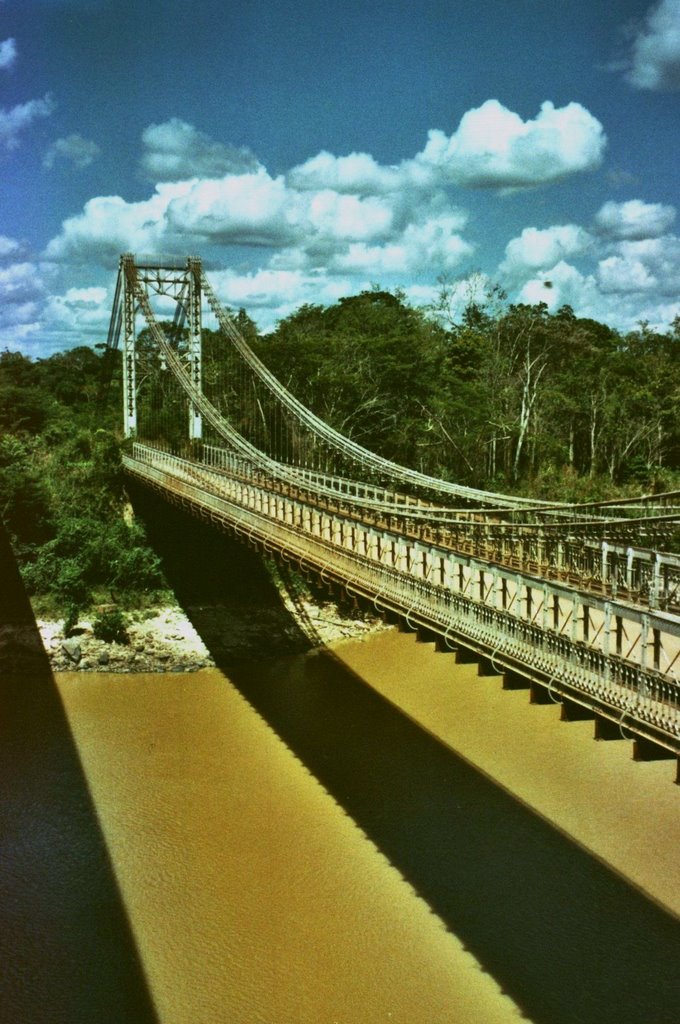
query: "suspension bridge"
580, 603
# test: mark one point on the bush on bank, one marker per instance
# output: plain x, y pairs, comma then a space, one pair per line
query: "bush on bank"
62, 491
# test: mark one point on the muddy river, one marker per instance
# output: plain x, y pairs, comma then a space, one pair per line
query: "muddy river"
287, 846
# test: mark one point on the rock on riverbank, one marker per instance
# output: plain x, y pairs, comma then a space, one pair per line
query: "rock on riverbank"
167, 641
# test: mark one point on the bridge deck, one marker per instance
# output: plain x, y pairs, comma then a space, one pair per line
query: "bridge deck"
586, 639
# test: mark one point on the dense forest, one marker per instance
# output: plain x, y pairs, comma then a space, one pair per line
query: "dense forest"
508, 397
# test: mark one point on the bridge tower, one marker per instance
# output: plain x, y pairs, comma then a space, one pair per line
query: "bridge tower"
180, 281
127, 272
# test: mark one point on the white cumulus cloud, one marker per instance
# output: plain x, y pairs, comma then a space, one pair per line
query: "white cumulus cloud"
543, 248
358, 173
434, 245
637, 282
242, 208
494, 148
175, 150
336, 216
20, 282
648, 265
51, 318
655, 59
343, 211
334, 224
563, 285
252, 209
109, 225
621, 274
73, 149
8, 247
22, 294
634, 219
83, 310
274, 294
15, 119
256, 209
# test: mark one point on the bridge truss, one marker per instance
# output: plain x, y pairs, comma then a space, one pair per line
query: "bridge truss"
581, 601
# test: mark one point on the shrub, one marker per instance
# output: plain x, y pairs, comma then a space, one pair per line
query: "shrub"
71, 620
109, 626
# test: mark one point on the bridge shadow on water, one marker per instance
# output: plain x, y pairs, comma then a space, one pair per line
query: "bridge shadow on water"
222, 585
67, 953
569, 940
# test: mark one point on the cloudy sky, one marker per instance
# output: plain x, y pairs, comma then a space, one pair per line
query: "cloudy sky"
311, 149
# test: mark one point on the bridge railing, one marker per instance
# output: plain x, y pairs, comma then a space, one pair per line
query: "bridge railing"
616, 658
628, 571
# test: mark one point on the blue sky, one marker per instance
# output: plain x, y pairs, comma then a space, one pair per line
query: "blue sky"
312, 149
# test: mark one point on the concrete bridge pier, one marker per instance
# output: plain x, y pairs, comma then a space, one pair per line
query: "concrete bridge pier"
404, 626
514, 681
426, 636
660, 753
391, 618
643, 749
540, 694
605, 729
647, 750
363, 604
486, 667
572, 711
347, 602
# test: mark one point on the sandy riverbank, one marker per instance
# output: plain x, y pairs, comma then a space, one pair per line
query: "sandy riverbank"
166, 640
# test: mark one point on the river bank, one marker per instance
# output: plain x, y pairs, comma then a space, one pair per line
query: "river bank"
165, 639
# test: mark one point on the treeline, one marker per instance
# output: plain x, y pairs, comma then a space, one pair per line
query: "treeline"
507, 397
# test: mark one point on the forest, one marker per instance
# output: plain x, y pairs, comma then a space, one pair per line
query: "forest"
507, 397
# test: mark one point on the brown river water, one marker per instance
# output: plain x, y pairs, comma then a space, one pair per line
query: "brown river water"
287, 846
371, 833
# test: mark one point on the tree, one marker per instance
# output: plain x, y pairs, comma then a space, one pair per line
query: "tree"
24, 497
25, 406
368, 366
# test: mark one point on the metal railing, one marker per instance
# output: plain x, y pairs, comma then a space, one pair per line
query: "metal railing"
603, 566
620, 659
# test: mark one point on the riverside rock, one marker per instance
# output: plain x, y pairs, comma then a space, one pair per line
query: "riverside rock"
72, 650
166, 640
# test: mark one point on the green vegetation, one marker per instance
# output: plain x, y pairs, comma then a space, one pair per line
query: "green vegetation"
110, 626
504, 397
62, 495
510, 398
